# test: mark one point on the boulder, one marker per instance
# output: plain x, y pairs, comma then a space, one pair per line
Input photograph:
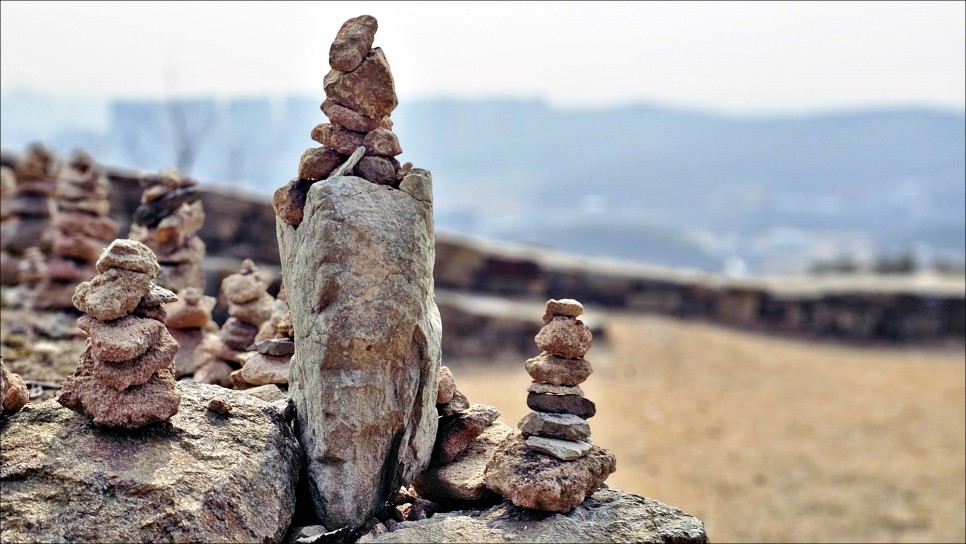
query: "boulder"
609, 515
358, 272
200, 477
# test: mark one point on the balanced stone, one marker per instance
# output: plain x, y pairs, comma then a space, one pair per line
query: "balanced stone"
548, 389
377, 170
338, 138
566, 307
351, 120
316, 163
447, 386
456, 404
565, 450
562, 426
261, 369
557, 370
369, 89
562, 404
565, 337
457, 431
111, 295
381, 141
120, 340
275, 346
352, 43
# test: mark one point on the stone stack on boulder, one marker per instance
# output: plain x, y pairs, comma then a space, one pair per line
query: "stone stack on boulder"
249, 305
357, 257
465, 442
81, 231
13, 392
360, 96
167, 221
188, 320
267, 360
553, 466
31, 208
125, 377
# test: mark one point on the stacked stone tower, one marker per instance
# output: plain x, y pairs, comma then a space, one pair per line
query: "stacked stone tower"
167, 221
188, 320
553, 466
125, 377
31, 207
357, 259
81, 231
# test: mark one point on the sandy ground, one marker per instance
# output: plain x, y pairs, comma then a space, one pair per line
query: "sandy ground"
768, 439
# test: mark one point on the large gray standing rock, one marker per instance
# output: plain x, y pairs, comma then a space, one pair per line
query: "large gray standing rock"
358, 272
608, 515
201, 476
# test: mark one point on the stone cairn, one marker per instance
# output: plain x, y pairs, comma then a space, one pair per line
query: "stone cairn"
249, 305
360, 96
465, 441
13, 392
553, 466
188, 320
81, 230
125, 377
267, 360
357, 258
167, 221
31, 207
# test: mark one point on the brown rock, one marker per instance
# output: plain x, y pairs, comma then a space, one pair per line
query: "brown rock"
456, 405
548, 389
184, 222
120, 340
213, 348
347, 118
555, 370
111, 294
403, 170
562, 404
219, 406
157, 296
68, 270
457, 431
369, 89
352, 43
261, 369
101, 228
185, 362
214, 372
338, 138
566, 307
462, 479
289, 201
377, 170
447, 386
182, 315
128, 255
316, 163
78, 246
244, 286
255, 312
382, 142
564, 337
140, 369
13, 392
130, 408
541, 482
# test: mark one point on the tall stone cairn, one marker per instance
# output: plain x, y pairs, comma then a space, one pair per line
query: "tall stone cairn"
125, 377
553, 466
81, 231
357, 259
167, 221
267, 359
27, 221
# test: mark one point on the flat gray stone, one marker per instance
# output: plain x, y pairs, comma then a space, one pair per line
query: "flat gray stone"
563, 426
565, 450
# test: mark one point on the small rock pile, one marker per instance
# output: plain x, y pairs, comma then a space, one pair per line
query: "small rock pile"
125, 377
553, 466
465, 441
267, 360
31, 207
167, 221
13, 392
249, 305
188, 319
360, 96
81, 230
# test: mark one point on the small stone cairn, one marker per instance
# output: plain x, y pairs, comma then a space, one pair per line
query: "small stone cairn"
553, 466
188, 320
31, 207
81, 230
360, 95
13, 392
167, 221
125, 377
267, 360
249, 305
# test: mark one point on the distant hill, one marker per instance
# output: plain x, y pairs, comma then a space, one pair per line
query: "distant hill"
642, 182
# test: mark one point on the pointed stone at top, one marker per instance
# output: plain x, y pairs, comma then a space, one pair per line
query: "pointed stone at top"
369, 89
352, 43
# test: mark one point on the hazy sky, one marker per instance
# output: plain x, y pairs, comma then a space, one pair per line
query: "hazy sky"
729, 56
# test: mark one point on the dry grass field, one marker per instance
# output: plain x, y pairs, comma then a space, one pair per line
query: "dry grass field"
769, 439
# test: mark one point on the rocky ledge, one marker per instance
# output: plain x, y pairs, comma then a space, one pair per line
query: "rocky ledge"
608, 515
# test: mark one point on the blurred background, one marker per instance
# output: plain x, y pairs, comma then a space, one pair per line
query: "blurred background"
761, 204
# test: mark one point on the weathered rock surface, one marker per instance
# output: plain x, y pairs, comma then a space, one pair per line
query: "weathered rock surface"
261, 369
352, 43
457, 431
462, 479
200, 477
112, 294
563, 426
565, 450
548, 389
555, 370
566, 307
562, 404
609, 515
369, 89
13, 392
318, 162
539, 481
447, 385
358, 272
457, 403
564, 337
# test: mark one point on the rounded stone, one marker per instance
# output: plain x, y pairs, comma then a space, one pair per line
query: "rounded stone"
128, 255
555, 370
383, 142
338, 138
316, 163
566, 307
565, 337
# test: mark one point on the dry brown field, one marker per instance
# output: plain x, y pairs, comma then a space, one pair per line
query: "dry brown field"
771, 439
